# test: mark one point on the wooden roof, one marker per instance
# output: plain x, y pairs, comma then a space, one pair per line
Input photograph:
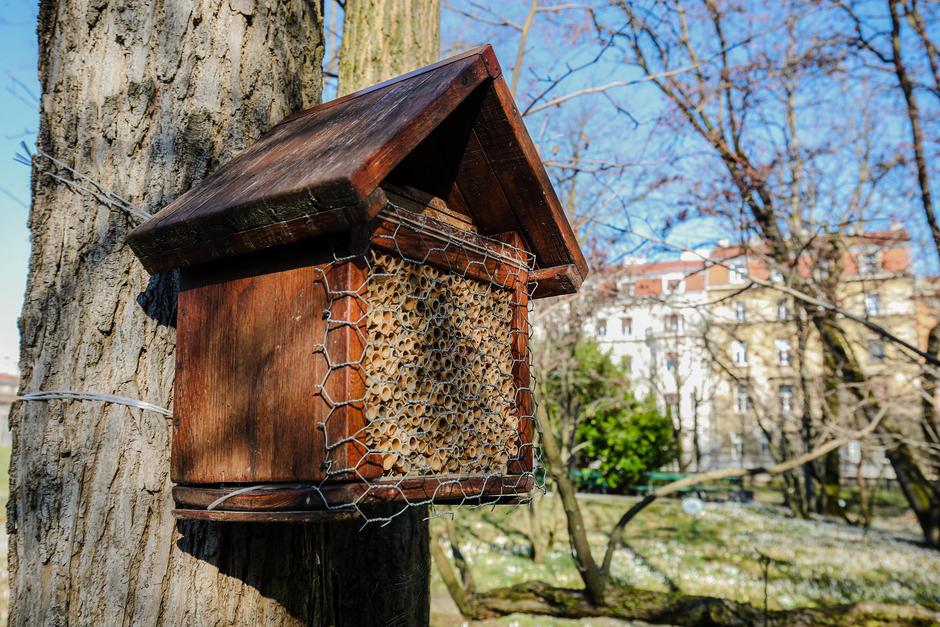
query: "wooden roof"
453, 125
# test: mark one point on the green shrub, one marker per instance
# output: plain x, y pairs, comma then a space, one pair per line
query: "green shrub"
624, 440
618, 438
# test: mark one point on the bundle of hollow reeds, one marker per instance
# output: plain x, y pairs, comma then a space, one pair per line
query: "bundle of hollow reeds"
440, 394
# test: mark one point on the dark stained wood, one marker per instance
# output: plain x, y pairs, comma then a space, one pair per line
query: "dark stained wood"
450, 130
521, 374
295, 497
346, 340
517, 165
246, 405
471, 262
196, 250
554, 281
308, 516
328, 159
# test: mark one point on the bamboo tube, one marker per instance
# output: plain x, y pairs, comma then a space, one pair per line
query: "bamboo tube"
389, 461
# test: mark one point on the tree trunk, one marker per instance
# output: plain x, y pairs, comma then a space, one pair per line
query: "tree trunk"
146, 99
378, 44
922, 495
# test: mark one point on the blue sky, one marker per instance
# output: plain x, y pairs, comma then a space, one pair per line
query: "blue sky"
18, 51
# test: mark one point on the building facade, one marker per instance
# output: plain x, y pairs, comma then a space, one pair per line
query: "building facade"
718, 340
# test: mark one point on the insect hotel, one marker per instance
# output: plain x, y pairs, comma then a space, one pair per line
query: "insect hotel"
352, 324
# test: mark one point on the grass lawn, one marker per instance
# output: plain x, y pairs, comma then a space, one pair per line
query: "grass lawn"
813, 563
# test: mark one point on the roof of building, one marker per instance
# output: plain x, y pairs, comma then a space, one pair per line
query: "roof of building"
453, 125
6, 377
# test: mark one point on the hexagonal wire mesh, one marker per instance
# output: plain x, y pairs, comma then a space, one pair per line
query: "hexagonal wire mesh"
439, 399
436, 359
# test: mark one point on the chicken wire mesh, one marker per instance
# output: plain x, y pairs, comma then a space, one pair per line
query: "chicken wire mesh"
441, 413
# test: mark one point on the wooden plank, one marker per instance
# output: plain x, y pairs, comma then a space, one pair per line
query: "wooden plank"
485, 260
416, 201
246, 408
443, 490
521, 373
556, 281
308, 516
345, 341
197, 250
516, 163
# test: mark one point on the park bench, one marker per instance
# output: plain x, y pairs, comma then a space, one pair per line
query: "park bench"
725, 487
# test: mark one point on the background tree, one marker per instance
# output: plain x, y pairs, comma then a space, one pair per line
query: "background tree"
145, 100
377, 34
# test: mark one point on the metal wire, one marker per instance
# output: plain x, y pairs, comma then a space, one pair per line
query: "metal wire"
438, 396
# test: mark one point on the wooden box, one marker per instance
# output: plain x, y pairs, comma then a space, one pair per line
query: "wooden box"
353, 311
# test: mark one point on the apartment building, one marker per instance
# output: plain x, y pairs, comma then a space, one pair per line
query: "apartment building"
734, 361
655, 326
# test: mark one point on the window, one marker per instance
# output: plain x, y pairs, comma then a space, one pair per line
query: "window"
872, 304
876, 350
740, 311
853, 452
601, 328
672, 322
672, 286
739, 353
783, 309
742, 401
823, 268
868, 263
783, 352
672, 404
786, 399
737, 447
764, 448
626, 326
737, 270
672, 361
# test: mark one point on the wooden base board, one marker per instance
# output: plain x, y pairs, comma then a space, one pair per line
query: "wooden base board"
216, 515
325, 501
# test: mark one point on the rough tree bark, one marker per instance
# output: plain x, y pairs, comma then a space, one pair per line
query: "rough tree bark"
376, 39
147, 98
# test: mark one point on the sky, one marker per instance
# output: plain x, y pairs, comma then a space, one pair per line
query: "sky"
18, 123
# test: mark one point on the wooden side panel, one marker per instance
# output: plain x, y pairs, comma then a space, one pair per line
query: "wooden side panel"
246, 403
